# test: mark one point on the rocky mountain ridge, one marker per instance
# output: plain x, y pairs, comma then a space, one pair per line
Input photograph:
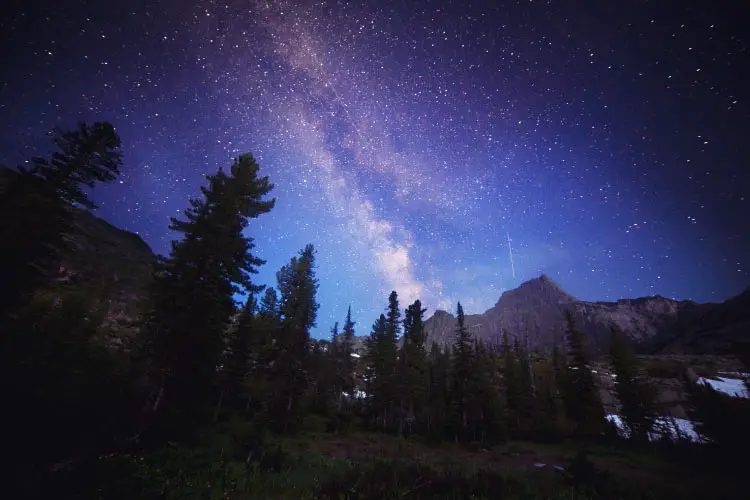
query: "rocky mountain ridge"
534, 312
114, 267
109, 268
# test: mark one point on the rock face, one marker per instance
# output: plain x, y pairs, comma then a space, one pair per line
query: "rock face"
535, 310
111, 268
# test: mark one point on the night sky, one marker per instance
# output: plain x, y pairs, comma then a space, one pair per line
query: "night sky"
412, 142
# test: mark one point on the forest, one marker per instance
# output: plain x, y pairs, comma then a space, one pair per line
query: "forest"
219, 399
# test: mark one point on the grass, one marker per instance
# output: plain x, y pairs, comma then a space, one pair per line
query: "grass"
364, 465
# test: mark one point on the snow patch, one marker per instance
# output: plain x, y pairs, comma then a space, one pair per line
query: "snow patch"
732, 386
663, 427
358, 394
540, 465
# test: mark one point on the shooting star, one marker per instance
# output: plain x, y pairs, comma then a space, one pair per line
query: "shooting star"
510, 252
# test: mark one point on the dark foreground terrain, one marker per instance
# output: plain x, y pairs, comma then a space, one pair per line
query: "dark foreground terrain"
233, 464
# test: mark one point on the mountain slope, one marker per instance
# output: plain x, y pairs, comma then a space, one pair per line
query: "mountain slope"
111, 268
535, 311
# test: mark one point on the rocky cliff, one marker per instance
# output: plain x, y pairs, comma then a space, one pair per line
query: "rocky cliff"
535, 310
111, 269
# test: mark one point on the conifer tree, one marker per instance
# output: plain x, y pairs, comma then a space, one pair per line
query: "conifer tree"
193, 288
558, 383
437, 412
393, 319
380, 358
267, 328
511, 377
298, 306
320, 370
36, 207
412, 367
525, 400
390, 356
491, 428
346, 349
269, 304
635, 394
334, 367
463, 376
583, 405
237, 357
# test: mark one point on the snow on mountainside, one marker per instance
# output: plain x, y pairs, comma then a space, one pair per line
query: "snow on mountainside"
731, 386
680, 427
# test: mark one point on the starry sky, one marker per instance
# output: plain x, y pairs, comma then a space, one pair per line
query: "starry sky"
417, 145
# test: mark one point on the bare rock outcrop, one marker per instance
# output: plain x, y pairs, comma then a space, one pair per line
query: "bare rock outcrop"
535, 311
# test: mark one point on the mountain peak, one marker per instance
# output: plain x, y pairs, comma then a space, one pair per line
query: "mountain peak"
535, 310
545, 280
543, 289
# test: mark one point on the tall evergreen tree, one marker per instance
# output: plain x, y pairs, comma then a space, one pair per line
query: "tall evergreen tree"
438, 394
193, 288
237, 357
583, 405
463, 376
380, 358
335, 366
558, 384
491, 426
36, 207
298, 306
266, 331
525, 402
635, 394
393, 318
512, 385
346, 349
393, 414
269, 304
412, 378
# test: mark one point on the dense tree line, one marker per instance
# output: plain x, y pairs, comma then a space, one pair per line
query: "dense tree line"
202, 360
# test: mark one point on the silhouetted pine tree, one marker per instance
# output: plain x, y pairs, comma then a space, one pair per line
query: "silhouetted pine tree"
297, 286
394, 416
635, 394
512, 386
412, 377
37, 207
463, 377
237, 358
380, 359
346, 349
437, 405
269, 304
326, 373
491, 425
525, 397
583, 406
556, 388
320, 368
267, 328
192, 291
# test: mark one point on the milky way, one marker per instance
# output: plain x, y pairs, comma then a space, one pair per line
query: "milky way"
415, 143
